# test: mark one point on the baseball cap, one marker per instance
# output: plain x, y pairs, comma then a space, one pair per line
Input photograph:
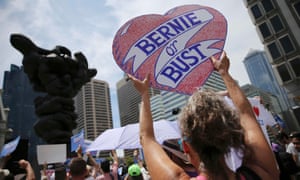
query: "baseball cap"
134, 170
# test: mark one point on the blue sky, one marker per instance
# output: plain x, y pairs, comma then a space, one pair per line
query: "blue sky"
89, 26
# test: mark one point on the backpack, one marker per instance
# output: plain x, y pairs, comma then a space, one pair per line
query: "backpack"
286, 163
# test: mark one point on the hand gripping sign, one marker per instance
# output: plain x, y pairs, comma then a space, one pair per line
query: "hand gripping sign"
173, 48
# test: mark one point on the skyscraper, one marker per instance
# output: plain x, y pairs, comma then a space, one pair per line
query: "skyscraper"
19, 96
157, 107
261, 76
128, 100
172, 102
3, 121
215, 82
93, 107
278, 26
269, 100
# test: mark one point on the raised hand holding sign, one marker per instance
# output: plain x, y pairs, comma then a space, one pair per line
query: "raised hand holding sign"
173, 48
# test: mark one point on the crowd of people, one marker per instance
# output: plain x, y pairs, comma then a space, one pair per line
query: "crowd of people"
286, 149
80, 168
210, 129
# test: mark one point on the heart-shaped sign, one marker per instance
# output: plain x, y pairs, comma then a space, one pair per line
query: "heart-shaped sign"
174, 48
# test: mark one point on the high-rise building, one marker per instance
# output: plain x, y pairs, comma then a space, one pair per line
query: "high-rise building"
270, 101
172, 102
3, 122
261, 76
278, 26
93, 107
128, 100
18, 95
157, 107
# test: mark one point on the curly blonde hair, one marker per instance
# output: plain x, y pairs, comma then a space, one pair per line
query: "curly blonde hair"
212, 127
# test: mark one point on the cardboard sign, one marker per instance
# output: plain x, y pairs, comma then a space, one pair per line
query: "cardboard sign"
263, 116
174, 48
54, 153
10, 147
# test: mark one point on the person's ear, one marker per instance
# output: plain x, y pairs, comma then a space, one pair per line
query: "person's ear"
186, 148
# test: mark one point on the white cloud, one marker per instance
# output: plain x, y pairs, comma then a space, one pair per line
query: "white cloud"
89, 27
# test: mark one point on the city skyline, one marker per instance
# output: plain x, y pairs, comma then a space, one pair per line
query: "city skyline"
93, 25
277, 24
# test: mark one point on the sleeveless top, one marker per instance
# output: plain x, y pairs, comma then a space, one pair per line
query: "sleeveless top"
245, 173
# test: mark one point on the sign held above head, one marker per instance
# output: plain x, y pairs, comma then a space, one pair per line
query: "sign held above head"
174, 48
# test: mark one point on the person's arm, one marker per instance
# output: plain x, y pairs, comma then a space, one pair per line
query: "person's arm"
262, 161
160, 166
115, 165
79, 151
29, 171
115, 157
44, 171
95, 165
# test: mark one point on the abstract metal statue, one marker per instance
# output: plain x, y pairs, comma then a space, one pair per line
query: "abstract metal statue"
57, 74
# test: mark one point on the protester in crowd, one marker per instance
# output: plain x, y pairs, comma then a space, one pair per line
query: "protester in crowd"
282, 141
209, 129
94, 168
105, 167
134, 173
294, 149
29, 171
44, 171
144, 171
78, 169
136, 157
294, 146
285, 162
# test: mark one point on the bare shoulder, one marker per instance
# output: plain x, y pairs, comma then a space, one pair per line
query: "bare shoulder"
263, 173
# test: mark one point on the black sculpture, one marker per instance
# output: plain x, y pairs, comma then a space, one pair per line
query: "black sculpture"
55, 73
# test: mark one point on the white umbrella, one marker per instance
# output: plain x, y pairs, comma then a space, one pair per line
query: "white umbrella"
127, 137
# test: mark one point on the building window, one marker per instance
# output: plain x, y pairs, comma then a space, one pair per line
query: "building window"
274, 51
295, 64
264, 29
286, 44
284, 73
267, 4
256, 11
297, 8
276, 23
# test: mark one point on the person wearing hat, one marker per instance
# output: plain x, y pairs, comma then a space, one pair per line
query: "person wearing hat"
134, 173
